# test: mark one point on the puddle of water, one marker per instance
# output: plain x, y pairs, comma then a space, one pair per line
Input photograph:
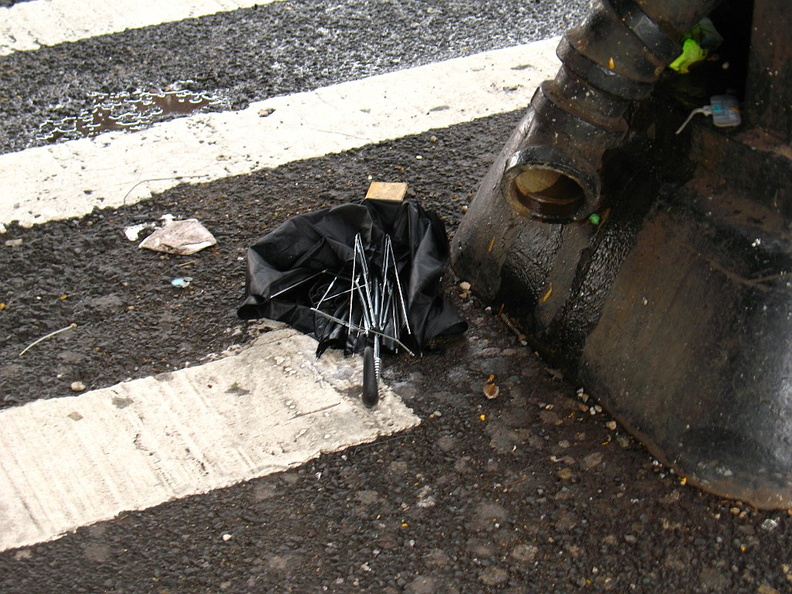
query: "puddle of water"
127, 111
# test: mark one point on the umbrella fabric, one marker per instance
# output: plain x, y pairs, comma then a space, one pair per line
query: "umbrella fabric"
290, 268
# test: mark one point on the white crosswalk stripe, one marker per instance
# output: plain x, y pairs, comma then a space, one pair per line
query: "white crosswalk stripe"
74, 461
31, 25
71, 178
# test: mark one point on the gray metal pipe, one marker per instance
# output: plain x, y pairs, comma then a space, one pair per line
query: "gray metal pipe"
613, 58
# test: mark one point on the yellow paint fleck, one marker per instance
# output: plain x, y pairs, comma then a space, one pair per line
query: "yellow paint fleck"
491, 245
483, 417
547, 294
611, 63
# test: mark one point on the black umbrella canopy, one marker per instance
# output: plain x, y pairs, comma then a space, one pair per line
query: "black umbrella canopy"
309, 274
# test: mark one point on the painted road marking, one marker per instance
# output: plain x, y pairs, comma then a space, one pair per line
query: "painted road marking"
71, 178
30, 25
69, 462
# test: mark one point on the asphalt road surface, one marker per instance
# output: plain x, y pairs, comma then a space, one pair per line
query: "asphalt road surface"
242, 116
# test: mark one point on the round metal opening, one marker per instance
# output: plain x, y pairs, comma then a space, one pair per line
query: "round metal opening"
545, 193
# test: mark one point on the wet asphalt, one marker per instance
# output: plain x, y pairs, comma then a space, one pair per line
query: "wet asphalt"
536, 490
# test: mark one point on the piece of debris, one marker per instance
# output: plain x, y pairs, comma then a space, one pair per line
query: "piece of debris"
77, 387
464, 293
182, 282
387, 191
491, 389
361, 277
46, 336
179, 237
133, 231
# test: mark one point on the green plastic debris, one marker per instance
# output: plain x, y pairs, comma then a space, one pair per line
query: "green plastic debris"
594, 219
697, 45
692, 52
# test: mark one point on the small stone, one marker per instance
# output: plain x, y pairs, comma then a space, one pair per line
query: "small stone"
464, 208
423, 585
550, 417
97, 552
591, 461
465, 286
77, 387
488, 516
672, 498
107, 305
13, 242
437, 557
367, 497
493, 576
226, 537
524, 553
769, 524
446, 443
711, 579
611, 425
